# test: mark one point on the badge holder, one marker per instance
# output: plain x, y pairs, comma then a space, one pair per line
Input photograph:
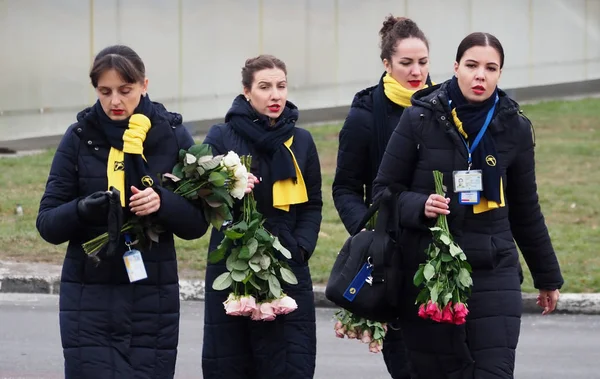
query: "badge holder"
468, 184
134, 262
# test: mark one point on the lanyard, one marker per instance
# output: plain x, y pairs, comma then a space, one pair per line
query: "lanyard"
488, 119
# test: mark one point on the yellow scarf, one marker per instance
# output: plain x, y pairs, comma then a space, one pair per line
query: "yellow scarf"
396, 92
287, 192
484, 204
133, 143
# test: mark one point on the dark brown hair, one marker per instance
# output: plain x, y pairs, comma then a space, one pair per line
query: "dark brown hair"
480, 39
395, 29
262, 62
123, 60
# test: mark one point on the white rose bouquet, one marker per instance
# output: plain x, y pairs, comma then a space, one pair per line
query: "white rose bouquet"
199, 176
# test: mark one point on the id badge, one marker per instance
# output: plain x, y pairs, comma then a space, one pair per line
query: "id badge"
468, 181
469, 197
135, 265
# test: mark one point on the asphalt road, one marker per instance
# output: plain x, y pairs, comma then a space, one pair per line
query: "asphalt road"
557, 346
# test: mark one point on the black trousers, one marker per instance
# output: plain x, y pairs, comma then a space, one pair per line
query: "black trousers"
394, 353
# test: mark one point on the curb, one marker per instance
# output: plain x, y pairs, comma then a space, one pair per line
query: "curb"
193, 290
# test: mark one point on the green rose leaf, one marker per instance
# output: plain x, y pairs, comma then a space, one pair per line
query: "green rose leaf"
245, 253
238, 276
240, 227
252, 245
275, 286
288, 276
262, 235
178, 170
216, 255
222, 281
423, 296
254, 266
263, 275
254, 284
428, 271
233, 234
377, 334
455, 250
419, 277
217, 178
240, 264
200, 150
445, 239
435, 293
465, 278
265, 262
279, 247
232, 258
447, 297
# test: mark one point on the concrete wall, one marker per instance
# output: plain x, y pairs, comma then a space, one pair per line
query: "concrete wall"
194, 49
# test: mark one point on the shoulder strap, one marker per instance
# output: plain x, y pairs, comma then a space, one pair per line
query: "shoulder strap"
385, 204
386, 226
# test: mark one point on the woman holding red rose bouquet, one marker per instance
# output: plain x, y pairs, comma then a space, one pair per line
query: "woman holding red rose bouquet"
473, 134
278, 338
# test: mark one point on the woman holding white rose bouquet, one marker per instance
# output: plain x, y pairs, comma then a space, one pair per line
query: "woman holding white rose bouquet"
252, 331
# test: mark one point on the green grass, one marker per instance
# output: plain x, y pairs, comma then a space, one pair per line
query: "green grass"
568, 171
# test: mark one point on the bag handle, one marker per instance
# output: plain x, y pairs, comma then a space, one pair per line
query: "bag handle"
387, 206
391, 193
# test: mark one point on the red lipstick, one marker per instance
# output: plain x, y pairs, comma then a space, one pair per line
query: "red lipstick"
478, 90
414, 83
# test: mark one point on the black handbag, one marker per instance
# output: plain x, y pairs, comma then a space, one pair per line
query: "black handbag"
366, 278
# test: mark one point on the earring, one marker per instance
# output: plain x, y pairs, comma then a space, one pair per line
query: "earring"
248, 99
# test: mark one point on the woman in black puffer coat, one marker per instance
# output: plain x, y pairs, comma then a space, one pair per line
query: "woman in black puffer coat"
373, 116
434, 134
259, 123
110, 327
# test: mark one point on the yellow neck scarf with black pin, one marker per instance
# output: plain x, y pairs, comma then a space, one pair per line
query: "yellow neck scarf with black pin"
396, 92
484, 204
288, 192
133, 143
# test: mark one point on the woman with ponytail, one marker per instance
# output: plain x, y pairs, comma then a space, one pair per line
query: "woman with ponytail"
111, 326
464, 127
374, 114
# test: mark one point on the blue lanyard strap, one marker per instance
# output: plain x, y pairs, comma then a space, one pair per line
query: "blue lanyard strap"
488, 119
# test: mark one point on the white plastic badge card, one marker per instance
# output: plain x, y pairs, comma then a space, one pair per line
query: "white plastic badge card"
468, 181
469, 198
135, 265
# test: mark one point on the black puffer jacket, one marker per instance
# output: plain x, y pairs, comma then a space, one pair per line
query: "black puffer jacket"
357, 159
364, 134
111, 328
236, 347
426, 140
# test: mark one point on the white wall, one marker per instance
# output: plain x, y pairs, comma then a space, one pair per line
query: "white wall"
194, 49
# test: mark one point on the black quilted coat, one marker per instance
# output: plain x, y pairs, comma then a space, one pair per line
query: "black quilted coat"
427, 140
109, 327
